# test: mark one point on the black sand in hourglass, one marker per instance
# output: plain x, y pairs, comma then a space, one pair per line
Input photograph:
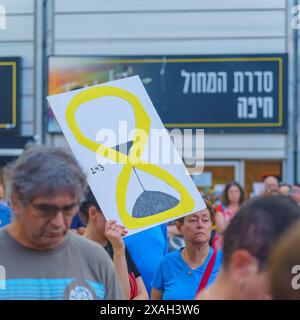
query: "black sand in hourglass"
149, 202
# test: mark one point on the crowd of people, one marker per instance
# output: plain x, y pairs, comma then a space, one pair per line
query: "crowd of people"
55, 242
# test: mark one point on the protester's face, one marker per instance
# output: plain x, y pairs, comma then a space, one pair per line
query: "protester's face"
234, 194
271, 184
45, 220
196, 227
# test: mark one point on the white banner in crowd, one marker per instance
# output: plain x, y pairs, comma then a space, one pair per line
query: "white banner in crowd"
132, 166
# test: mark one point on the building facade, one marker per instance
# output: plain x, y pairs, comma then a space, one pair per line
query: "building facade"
37, 29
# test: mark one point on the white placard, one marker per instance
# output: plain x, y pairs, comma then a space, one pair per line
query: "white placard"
145, 186
258, 188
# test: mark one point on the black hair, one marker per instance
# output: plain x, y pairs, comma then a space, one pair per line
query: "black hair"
225, 199
257, 226
89, 201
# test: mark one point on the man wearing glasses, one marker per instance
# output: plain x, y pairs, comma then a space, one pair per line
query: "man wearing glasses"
42, 259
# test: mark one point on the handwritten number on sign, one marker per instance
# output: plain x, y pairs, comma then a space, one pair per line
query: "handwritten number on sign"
96, 169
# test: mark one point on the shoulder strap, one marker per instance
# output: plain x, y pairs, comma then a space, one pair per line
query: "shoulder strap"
208, 271
133, 286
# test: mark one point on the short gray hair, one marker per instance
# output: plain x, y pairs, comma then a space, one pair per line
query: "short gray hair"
46, 171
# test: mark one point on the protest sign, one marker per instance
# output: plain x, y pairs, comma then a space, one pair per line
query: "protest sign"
132, 166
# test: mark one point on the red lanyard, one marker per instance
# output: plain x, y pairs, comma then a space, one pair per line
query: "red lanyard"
208, 271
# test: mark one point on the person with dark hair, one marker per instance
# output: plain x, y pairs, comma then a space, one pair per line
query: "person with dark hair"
42, 259
248, 241
233, 197
109, 235
285, 266
183, 272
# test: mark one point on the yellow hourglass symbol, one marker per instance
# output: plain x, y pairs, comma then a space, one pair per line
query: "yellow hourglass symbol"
163, 206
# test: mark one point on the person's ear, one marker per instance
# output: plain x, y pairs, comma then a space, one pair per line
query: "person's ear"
93, 214
243, 266
178, 226
15, 205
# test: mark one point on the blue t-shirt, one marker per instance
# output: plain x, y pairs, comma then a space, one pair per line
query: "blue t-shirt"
76, 222
147, 248
177, 281
5, 214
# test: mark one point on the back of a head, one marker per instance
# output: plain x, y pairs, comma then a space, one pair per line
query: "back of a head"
45, 171
285, 266
258, 225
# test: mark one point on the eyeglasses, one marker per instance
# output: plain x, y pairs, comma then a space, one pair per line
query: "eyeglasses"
49, 211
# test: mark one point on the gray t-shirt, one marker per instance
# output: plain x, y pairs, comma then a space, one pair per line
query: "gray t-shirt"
77, 269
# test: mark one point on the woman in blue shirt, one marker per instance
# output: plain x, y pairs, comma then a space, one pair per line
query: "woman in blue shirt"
181, 272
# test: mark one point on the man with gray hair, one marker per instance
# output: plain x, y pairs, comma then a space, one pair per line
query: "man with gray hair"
42, 259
